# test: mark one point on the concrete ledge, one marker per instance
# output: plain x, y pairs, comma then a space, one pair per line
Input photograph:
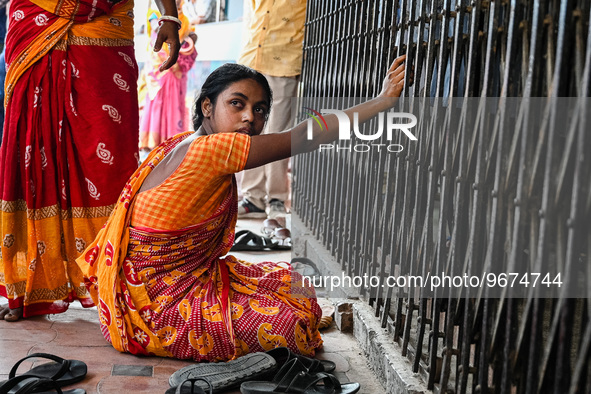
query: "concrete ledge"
305, 245
392, 369
384, 356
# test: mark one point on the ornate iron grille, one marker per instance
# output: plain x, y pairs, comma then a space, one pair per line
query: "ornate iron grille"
461, 198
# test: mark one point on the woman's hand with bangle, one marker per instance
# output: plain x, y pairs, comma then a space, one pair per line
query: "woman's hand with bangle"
168, 33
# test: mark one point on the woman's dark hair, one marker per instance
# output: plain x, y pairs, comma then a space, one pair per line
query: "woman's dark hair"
220, 79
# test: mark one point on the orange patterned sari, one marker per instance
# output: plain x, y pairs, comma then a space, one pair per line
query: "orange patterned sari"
69, 143
174, 292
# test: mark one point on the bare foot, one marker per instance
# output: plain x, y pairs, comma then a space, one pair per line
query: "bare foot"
10, 314
4, 309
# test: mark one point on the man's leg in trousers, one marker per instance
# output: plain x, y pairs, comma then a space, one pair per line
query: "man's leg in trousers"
253, 186
271, 180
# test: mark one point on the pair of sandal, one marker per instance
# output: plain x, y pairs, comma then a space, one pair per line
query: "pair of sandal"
294, 377
278, 368
45, 378
246, 240
273, 229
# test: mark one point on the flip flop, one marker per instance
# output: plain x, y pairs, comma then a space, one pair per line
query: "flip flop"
281, 238
269, 226
283, 355
63, 372
23, 384
304, 266
224, 375
246, 240
183, 388
293, 378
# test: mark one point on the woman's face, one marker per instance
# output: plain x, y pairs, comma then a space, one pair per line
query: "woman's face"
241, 108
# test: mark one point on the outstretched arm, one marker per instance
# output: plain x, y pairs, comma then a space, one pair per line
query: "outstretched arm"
168, 33
271, 147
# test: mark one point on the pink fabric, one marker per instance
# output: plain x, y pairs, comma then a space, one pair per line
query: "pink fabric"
165, 111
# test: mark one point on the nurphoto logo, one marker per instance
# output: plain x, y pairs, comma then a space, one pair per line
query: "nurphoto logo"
391, 122
315, 115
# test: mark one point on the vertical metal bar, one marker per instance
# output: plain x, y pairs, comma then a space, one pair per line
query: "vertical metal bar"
389, 239
345, 215
444, 176
579, 216
403, 228
338, 206
382, 249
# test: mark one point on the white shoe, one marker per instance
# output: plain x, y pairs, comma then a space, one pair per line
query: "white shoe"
276, 209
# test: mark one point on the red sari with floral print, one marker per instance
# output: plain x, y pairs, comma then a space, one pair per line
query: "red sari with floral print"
69, 144
172, 291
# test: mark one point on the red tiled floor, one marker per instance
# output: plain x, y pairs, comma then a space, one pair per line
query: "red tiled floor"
75, 334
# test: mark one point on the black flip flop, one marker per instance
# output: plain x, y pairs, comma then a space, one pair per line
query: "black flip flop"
188, 386
293, 378
246, 240
225, 375
63, 372
283, 355
23, 384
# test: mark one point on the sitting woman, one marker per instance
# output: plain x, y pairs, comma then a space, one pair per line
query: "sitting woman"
159, 270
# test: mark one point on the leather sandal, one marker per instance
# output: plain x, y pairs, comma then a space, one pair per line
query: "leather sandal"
24, 384
246, 240
61, 371
269, 226
292, 378
283, 356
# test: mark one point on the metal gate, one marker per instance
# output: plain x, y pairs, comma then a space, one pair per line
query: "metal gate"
462, 199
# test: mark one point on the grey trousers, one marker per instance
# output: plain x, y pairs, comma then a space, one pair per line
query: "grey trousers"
262, 184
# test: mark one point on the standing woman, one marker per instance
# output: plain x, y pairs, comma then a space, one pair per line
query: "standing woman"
70, 141
164, 107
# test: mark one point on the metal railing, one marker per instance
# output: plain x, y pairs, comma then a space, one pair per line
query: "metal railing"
463, 198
